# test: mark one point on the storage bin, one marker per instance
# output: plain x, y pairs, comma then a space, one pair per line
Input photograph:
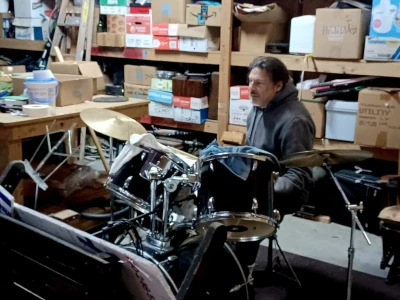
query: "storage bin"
341, 119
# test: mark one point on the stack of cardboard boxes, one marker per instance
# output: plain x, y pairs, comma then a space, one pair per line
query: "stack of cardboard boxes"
168, 25
30, 19
160, 96
240, 105
138, 80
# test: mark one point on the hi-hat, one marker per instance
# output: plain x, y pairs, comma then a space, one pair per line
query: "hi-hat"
317, 158
111, 123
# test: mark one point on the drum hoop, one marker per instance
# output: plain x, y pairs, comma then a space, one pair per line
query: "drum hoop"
128, 198
231, 214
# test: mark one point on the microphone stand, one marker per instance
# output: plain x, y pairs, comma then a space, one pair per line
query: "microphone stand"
354, 220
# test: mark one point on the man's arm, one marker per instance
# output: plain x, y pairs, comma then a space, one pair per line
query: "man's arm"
296, 136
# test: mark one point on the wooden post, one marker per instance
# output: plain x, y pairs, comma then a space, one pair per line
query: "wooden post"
225, 67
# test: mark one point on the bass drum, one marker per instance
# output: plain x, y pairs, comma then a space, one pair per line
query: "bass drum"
226, 274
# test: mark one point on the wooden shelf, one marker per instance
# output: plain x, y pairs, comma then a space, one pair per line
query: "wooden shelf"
298, 63
211, 58
209, 126
22, 44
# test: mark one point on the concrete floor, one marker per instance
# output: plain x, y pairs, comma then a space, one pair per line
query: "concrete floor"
329, 243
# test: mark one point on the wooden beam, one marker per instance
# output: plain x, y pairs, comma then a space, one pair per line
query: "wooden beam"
225, 67
297, 63
22, 44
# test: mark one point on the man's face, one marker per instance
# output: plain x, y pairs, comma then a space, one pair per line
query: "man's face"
262, 88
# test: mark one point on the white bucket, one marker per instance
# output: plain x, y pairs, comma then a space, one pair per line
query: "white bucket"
4, 6
42, 92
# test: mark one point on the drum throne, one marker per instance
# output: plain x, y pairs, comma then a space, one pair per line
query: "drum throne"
233, 194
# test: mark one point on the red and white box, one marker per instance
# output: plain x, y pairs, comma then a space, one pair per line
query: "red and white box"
190, 102
240, 92
240, 105
143, 10
170, 43
165, 29
139, 31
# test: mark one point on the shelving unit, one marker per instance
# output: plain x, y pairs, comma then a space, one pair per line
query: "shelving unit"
21, 44
225, 58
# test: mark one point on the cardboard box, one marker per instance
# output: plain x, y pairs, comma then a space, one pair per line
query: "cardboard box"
116, 24
84, 68
190, 115
170, 43
31, 9
114, 2
203, 15
160, 96
384, 19
5, 23
73, 89
161, 110
31, 29
114, 10
258, 30
18, 81
340, 33
12, 69
136, 91
106, 39
203, 40
387, 49
240, 105
161, 84
139, 31
316, 108
141, 75
190, 102
378, 122
213, 101
166, 29
169, 11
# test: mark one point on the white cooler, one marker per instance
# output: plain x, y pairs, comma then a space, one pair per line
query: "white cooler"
341, 119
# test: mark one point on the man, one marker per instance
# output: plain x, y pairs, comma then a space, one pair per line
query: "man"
280, 124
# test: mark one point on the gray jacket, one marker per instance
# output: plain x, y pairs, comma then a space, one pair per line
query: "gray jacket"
282, 128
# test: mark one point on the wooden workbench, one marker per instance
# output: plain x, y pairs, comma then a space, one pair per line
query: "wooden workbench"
14, 129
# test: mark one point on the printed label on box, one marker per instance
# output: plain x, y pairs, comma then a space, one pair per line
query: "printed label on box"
239, 110
161, 84
161, 110
240, 92
160, 96
138, 24
190, 102
190, 116
165, 29
165, 43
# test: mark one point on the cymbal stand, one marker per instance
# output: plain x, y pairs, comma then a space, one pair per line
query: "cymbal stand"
354, 220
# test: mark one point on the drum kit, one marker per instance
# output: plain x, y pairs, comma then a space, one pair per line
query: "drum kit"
175, 197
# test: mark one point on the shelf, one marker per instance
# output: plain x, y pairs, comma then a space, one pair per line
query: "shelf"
297, 63
22, 44
209, 126
211, 58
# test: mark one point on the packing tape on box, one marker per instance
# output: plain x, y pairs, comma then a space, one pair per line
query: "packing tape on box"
36, 110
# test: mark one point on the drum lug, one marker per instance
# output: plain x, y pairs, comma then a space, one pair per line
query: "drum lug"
211, 166
210, 205
255, 165
127, 182
254, 207
170, 185
277, 215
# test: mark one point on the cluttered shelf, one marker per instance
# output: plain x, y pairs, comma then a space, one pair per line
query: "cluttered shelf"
210, 126
210, 58
311, 64
22, 44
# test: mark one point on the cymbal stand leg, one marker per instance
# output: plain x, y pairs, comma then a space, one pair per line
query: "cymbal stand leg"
111, 151
348, 204
351, 252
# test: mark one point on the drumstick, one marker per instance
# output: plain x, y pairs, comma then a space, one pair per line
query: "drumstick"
96, 142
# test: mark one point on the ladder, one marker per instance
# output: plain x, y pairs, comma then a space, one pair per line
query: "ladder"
67, 20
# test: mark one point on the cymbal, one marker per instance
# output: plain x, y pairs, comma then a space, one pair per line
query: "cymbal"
111, 123
317, 158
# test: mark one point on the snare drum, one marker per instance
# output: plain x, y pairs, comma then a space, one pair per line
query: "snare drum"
245, 207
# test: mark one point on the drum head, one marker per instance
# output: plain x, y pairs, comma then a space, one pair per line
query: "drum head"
241, 227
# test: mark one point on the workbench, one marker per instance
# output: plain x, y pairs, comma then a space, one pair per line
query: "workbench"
14, 129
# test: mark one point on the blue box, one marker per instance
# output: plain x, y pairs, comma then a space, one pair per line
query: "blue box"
160, 96
385, 19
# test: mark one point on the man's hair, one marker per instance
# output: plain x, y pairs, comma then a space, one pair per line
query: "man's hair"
275, 68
